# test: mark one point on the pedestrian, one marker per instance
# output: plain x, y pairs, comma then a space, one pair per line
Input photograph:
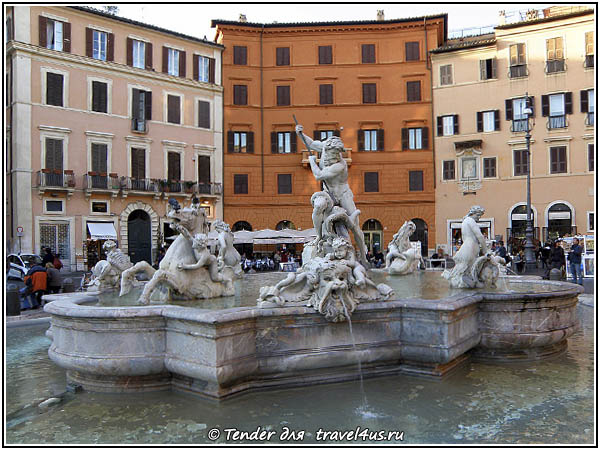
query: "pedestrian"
574, 258
37, 280
57, 263
54, 278
48, 257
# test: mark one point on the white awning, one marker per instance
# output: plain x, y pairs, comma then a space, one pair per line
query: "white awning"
102, 230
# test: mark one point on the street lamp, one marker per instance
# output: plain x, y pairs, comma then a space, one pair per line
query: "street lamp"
530, 261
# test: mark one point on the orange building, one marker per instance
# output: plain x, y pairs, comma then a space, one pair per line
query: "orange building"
367, 81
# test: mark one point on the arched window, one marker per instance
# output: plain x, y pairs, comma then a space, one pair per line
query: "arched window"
421, 235
241, 225
373, 232
560, 221
285, 225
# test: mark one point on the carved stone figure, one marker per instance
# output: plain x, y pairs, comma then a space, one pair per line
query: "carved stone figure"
402, 257
333, 278
475, 266
106, 274
186, 269
228, 255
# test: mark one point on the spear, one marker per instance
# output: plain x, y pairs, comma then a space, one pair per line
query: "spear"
302, 135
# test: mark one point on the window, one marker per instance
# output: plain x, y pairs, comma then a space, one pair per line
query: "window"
558, 159
371, 181
99, 45
204, 69
415, 138
173, 61
325, 54
174, 109
204, 174
203, 114
588, 105
138, 54
446, 74
589, 49
240, 55
282, 56
240, 184
448, 170
415, 180
141, 109
99, 167
54, 89
54, 34
369, 92
99, 96
556, 107
283, 95
488, 121
370, 140
591, 161
487, 69
283, 142
413, 91
321, 135
521, 164
100, 207
240, 94
173, 166
515, 111
489, 167
518, 66
555, 56
368, 53
138, 164
447, 125
240, 142
54, 206
412, 51
326, 94
284, 183
468, 169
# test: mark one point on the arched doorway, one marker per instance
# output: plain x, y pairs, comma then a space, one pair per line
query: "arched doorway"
247, 248
139, 236
421, 235
285, 225
373, 232
560, 221
241, 225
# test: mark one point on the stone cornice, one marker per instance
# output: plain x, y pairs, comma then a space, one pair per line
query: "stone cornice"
54, 129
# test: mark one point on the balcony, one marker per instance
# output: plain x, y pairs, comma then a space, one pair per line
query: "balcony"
56, 180
555, 65
140, 186
589, 119
555, 122
189, 188
519, 71
589, 61
518, 125
346, 154
101, 183
139, 125
205, 189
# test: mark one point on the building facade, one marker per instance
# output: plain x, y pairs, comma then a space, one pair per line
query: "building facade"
479, 93
107, 118
367, 82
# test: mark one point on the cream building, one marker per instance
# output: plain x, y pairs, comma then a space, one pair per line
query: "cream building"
107, 118
479, 88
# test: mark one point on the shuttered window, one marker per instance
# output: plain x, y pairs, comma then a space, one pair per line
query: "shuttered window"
141, 109
283, 95
369, 92
447, 125
282, 57
203, 114
173, 62
371, 140
240, 141
415, 180
283, 142
240, 94
173, 166
173, 109
240, 183
240, 55
518, 66
54, 34
415, 138
488, 69
325, 54
449, 170
204, 69
591, 166
138, 163
368, 53
54, 89
413, 91
489, 167
520, 162
412, 51
54, 154
99, 96
371, 181
446, 74
326, 94
558, 159
284, 183
488, 121
100, 158
139, 54
203, 169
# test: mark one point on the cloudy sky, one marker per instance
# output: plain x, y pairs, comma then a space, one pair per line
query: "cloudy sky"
194, 19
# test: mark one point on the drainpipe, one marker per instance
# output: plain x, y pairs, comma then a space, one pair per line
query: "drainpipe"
429, 67
223, 140
262, 116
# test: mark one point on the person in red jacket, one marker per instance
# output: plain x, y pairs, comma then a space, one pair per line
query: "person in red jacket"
37, 280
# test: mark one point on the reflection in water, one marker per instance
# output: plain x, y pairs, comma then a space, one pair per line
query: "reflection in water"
546, 402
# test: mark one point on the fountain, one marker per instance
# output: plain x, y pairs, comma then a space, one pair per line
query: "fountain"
415, 324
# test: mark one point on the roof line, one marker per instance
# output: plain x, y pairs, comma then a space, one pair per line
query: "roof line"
544, 19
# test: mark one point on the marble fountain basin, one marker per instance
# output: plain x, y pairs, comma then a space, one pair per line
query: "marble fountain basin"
427, 330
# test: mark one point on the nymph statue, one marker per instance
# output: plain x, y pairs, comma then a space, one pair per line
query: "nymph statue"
106, 274
402, 258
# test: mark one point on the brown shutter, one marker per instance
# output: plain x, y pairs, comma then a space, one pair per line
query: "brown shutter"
148, 104
165, 60
545, 105
89, 42
173, 109
531, 103
204, 169
425, 137
440, 126
294, 142
230, 142
494, 68
404, 138
361, 140
43, 26
203, 114
250, 142
496, 119
148, 56
568, 102
182, 64
584, 101
99, 158
110, 44
135, 103
66, 37
456, 124
129, 51
273, 142
316, 135
380, 140
173, 166
195, 68
211, 70
482, 71
508, 104
479, 121
336, 133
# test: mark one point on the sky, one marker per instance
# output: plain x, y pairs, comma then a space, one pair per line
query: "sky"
194, 19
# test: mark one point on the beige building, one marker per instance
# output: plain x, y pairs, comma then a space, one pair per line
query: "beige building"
479, 88
107, 118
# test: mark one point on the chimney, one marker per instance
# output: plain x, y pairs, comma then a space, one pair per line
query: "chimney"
502, 18
243, 18
380, 15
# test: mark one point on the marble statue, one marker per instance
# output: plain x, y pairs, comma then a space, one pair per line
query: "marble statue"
333, 278
402, 258
106, 274
188, 270
475, 266
228, 255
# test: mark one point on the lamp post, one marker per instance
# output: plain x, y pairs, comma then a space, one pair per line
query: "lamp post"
530, 261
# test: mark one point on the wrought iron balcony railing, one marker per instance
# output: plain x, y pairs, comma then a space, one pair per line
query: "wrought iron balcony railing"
518, 125
141, 184
589, 61
518, 71
557, 122
555, 65
101, 181
139, 125
56, 178
589, 119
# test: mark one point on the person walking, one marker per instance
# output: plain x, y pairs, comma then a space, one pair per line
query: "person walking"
575, 261
54, 278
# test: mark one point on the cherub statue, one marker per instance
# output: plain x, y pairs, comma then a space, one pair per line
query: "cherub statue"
203, 257
228, 255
